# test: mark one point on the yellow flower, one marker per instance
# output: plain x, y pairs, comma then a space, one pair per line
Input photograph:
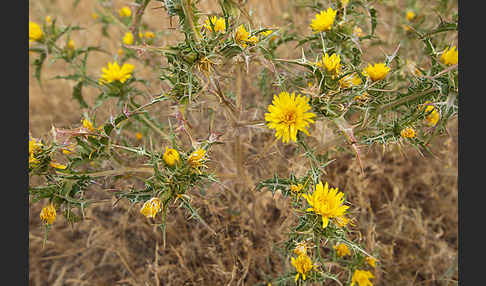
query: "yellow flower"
362, 278
138, 135
433, 115
149, 35
120, 52
296, 189
350, 80
57, 165
358, 32
34, 145
128, 38
70, 45
218, 23
326, 202
301, 248
171, 156
113, 72
331, 63
302, 264
35, 31
151, 207
289, 114
196, 158
450, 56
140, 35
376, 72
125, 12
48, 20
94, 15
88, 125
371, 261
407, 132
252, 40
342, 250
242, 35
48, 214
266, 33
410, 15
342, 221
323, 21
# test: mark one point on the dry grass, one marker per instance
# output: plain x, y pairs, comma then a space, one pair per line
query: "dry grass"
405, 204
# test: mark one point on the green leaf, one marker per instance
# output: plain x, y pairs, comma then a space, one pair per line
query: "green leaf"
38, 66
78, 95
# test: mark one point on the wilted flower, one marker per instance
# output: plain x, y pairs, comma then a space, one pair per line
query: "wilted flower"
350, 80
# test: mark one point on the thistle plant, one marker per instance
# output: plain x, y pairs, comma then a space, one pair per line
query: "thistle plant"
387, 100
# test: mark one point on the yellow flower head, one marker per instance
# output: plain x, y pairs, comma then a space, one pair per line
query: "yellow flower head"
407, 132
171, 156
331, 63
94, 16
35, 31
70, 45
326, 202
301, 248
48, 20
242, 35
139, 136
149, 35
302, 264
218, 23
450, 56
125, 11
151, 207
371, 261
433, 115
266, 33
128, 38
296, 188
34, 145
362, 278
120, 52
410, 15
289, 114
113, 72
376, 72
350, 80
57, 165
140, 35
342, 250
342, 221
88, 125
323, 21
48, 214
196, 158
